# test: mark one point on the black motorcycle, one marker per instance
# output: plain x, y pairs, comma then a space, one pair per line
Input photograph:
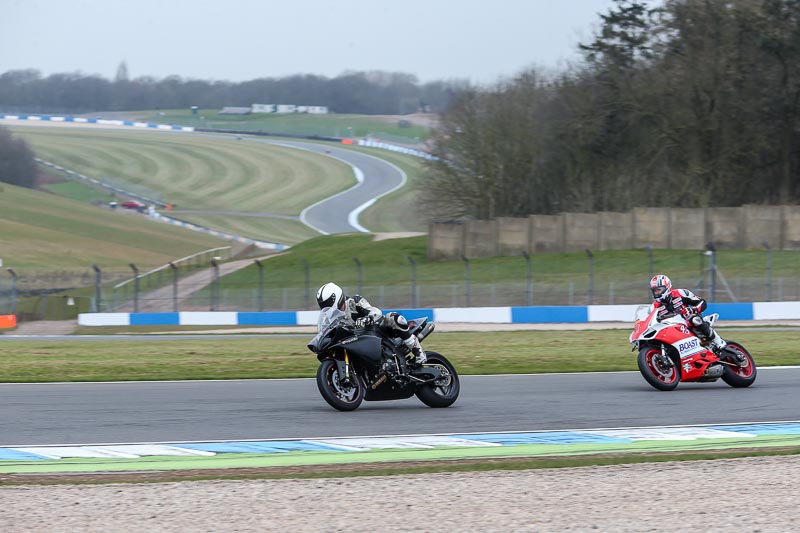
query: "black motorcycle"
366, 362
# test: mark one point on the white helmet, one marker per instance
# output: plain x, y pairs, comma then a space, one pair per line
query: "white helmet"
329, 295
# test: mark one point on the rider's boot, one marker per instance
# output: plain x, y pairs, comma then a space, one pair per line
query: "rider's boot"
413, 344
717, 342
702, 327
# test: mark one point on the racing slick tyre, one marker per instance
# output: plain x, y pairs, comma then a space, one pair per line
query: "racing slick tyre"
737, 375
444, 391
341, 395
658, 372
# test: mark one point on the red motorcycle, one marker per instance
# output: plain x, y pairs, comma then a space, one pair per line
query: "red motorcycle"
670, 352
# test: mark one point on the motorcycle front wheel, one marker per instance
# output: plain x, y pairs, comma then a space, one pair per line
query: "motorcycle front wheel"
444, 391
662, 375
739, 376
341, 395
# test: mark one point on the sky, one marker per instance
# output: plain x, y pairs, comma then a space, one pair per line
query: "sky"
477, 40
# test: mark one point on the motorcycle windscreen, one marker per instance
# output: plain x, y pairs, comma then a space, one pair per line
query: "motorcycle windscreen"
366, 347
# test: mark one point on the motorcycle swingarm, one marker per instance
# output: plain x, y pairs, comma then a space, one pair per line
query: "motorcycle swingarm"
426, 371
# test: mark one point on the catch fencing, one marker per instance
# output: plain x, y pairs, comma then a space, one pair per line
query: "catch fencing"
211, 281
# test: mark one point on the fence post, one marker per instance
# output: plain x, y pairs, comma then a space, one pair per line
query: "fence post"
13, 291
413, 281
98, 279
215, 285
528, 280
466, 277
769, 270
174, 268
590, 255
358, 274
260, 284
135, 287
308, 282
712, 270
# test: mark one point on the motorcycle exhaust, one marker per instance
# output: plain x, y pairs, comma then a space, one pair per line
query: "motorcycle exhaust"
714, 371
427, 330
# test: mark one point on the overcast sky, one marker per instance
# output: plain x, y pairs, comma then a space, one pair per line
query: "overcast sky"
478, 40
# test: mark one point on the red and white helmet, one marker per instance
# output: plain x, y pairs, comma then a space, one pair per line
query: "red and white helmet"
661, 287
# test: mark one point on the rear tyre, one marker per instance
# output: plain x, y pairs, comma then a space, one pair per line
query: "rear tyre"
662, 373
339, 395
739, 376
443, 392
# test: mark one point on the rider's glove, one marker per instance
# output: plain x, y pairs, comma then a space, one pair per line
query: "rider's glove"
688, 311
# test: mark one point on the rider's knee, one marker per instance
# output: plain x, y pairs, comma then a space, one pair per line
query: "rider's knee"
397, 321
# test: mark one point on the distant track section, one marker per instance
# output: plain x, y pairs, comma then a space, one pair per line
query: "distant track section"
336, 214
339, 213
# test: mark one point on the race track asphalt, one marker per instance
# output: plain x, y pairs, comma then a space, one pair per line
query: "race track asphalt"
81, 413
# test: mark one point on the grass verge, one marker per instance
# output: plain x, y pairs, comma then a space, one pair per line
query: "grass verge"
243, 357
392, 469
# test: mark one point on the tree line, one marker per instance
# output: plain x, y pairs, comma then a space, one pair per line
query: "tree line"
681, 103
374, 92
17, 164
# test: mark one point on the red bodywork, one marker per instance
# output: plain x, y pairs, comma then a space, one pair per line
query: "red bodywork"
695, 358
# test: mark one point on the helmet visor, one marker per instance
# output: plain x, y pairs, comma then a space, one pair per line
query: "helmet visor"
658, 292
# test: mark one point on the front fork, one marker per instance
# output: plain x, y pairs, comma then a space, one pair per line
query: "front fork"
663, 357
343, 368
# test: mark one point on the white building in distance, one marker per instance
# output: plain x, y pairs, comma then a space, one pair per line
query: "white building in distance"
289, 108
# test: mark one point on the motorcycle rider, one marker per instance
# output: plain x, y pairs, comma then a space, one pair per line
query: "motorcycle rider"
357, 307
684, 302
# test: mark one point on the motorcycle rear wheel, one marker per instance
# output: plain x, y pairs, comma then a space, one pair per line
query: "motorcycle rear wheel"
339, 395
661, 377
445, 392
740, 376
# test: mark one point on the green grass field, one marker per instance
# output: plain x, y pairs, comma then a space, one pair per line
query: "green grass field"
268, 229
386, 263
331, 125
248, 357
40, 229
195, 172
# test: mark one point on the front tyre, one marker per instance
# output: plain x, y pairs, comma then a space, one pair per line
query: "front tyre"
736, 375
444, 391
658, 370
341, 395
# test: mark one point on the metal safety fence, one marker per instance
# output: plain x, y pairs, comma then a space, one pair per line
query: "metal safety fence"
211, 282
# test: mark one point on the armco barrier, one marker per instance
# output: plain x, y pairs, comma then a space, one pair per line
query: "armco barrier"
81, 120
489, 315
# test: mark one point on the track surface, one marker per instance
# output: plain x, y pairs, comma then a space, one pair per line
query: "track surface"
339, 213
78, 413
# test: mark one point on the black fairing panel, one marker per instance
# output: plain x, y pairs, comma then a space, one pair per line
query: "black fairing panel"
366, 347
389, 391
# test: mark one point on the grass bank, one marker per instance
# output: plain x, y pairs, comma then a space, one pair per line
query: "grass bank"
40, 229
386, 263
195, 172
288, 357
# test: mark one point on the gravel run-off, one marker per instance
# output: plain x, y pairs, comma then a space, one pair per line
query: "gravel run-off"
747, 494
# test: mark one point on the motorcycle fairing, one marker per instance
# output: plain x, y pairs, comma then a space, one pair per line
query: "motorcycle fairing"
694, 357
